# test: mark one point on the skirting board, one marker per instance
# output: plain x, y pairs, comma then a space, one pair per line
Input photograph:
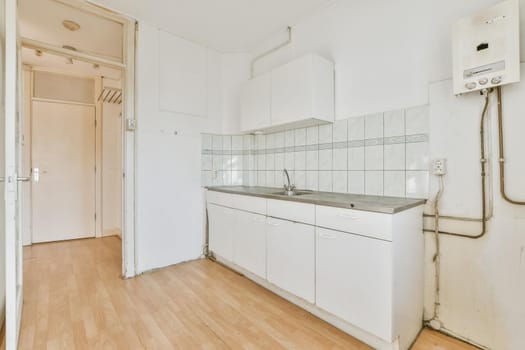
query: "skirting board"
335, 321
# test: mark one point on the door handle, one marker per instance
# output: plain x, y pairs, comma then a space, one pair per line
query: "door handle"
23, 178
36, 175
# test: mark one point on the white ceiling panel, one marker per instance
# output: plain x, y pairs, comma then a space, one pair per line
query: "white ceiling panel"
225, 25
42, 20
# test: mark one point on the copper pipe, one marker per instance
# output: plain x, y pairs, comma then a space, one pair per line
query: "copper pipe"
501, 153
483, 163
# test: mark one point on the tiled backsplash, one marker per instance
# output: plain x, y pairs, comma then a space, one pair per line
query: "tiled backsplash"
380, 154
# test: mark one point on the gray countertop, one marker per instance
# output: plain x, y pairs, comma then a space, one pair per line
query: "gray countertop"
379, 204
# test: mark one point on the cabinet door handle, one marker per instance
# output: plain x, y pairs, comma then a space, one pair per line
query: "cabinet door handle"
274, 223
347, 216
326, 235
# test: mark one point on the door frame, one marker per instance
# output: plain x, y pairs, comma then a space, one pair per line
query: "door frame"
127, 66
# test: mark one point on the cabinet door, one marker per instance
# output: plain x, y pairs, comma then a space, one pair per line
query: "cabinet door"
249, 242
354, 280
291, 257
292, 91
255, 103
221, 225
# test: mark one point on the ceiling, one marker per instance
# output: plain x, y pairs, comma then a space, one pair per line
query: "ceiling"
42, 20
225, 25
58, 63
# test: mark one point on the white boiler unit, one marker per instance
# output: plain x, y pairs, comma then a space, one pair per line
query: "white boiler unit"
486, 48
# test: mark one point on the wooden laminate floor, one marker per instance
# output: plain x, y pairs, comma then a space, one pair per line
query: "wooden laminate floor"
75, 299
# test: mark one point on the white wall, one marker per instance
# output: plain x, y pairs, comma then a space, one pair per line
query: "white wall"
2, 166
392, 55
169, 198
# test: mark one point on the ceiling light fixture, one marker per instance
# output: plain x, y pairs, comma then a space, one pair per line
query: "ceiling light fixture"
71, 25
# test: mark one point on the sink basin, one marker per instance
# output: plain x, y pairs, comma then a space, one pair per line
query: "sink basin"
291, 194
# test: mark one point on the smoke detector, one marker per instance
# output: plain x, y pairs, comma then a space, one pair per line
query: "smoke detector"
71, 25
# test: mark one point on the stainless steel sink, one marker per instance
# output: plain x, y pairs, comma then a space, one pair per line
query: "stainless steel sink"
291, 193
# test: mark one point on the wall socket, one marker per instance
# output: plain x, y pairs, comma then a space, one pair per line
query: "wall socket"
439, 166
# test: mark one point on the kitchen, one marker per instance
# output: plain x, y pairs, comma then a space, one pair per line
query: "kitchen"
356, 164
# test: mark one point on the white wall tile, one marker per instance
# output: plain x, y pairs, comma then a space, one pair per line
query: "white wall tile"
312, 180
237, 143
417, 156
279, 178
340, 181
270, 141
217, 142
270, 178
417, 120
326, 133
218, 178
206, 162
340, 132
356, 158
394, 157
247, 142
289, 160
394, 123
261, 178
300, 160
374, 183
356, 128
206, 178
236, 163
374, 126
217, 162
206, 141
260, 142
227, 143
325, 159
300, 137
289, 138
279, 140
312, 160
394, 183
261, 162
325, 181
270, 161
340, 159
237, 178
417, 183
227, 178
312, 135
356, 182
226, 162
300, 179
374, 158
279, 161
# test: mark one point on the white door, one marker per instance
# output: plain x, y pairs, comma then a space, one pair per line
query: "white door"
249, 242
222, 222
63, 154
291, 257
354, 280
11, 239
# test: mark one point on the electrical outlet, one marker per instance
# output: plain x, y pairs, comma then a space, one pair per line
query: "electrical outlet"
439, 166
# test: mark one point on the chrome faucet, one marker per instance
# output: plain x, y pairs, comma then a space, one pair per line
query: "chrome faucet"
288, 189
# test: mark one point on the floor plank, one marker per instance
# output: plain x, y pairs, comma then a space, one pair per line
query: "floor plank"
75, 299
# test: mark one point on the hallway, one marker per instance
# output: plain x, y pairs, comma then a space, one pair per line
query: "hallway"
75, 299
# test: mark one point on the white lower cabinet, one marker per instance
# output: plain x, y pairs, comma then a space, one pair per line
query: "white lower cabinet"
354, 280
249, 242
291, 257
221, 225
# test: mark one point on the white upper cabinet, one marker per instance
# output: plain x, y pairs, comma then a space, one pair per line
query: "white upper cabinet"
303, 90
255, 103
183, 76
299, 93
